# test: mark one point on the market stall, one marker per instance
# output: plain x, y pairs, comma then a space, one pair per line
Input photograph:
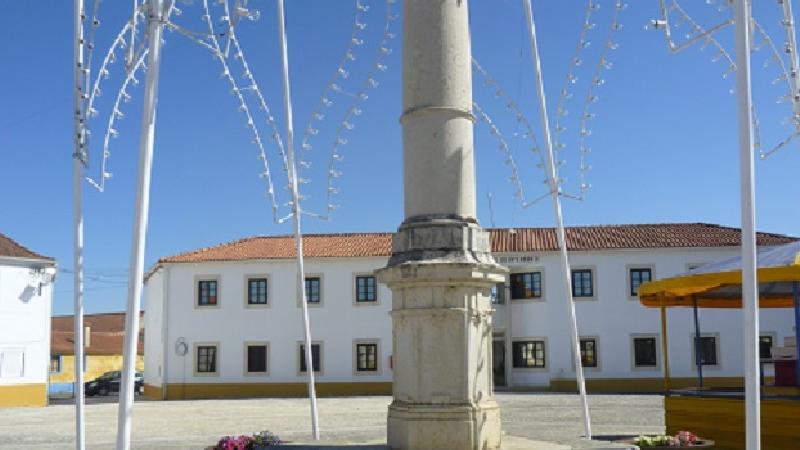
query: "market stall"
719, 414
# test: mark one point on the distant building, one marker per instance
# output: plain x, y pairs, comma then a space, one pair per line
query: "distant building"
225, 321
26, 294
104, 335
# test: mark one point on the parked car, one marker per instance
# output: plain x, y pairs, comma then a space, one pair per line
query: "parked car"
109, 382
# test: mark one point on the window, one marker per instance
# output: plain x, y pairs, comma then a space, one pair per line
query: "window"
765, 343
637, 276
367, 357
206, 359
645, 353
365, 289
55, 364
256, 291
315, 357
12, 363
526, 285
528, 354
708, 351
256, 358
313, 289
207, 292
588, 352
582, 285
499, 294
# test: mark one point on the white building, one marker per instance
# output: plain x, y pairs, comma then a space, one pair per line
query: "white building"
26, 295
225, 320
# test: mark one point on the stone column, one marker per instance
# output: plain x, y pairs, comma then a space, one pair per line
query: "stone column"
441, 270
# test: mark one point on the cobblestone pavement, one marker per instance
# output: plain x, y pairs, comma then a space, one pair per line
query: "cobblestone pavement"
355, 420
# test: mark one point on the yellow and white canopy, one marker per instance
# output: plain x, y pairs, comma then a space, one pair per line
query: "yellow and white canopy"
719, 284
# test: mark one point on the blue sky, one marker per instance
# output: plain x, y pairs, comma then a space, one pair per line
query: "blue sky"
664, 140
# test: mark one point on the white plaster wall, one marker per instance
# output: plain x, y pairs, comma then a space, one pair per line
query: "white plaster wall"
153, 336
25, 320
337, 322
613, 316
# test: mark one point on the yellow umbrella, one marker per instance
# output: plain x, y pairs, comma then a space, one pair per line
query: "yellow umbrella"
719, 285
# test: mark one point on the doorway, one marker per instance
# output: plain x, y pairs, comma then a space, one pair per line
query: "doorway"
499, 362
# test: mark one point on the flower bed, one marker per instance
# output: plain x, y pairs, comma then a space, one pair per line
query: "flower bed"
257, 441
684, 439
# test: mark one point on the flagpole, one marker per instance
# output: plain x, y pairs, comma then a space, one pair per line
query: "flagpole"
555, 192
748, 211
155, 27
298, 236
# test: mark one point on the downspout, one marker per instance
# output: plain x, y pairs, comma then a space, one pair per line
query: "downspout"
164, 329
796, 296
665, 347
697, 357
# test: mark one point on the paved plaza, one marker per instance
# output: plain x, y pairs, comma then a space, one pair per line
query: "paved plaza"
356, 420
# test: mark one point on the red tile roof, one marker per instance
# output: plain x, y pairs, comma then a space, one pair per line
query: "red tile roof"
106, 334
604, 237
9, 247
595, 237
282, 247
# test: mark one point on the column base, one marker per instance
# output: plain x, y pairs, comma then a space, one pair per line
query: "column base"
412, 426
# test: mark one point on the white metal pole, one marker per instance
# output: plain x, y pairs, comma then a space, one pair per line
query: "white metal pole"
748, 205
298, 236
562, 240
155, 12
77, 216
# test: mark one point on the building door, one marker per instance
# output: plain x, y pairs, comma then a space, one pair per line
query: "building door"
499, 362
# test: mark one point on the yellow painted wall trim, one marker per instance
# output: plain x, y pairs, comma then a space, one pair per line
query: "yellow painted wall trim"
152, 392
243, 390
23, 395
643, 385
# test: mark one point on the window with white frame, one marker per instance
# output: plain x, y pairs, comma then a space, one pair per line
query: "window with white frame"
498, 294
257, 356
637, 276
582, 283
366, 289
55, 364
708, 350
366, 356
206, 358
257, 289
645, 351
207, 292
588, 352
313, 290
316, 357
765, 344
528, 354
526, 285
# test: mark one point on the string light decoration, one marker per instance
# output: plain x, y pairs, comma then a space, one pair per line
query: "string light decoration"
603, 64
333, 89
342, 72
571, 78
116, 113
236, 92
519, 192
787, 74
522, 121
90, 111
354, 110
